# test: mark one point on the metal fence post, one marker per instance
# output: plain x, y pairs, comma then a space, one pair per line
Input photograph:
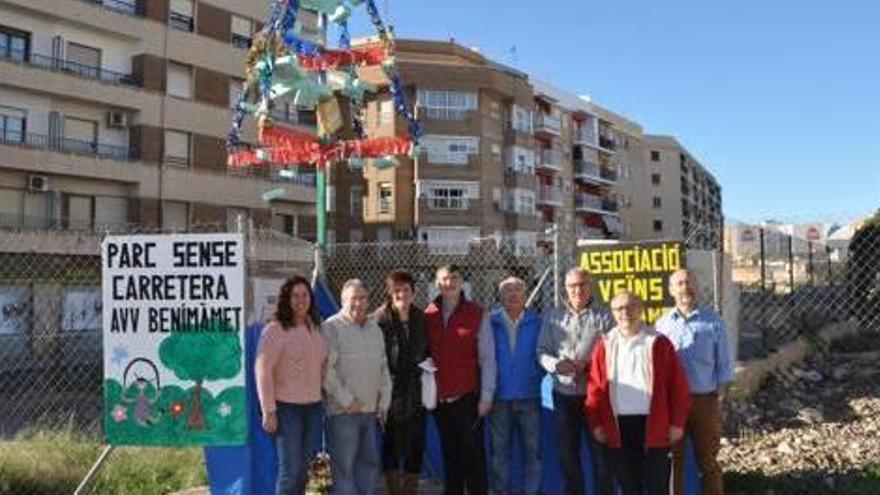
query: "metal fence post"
763, 273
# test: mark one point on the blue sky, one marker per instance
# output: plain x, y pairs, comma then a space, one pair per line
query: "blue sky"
779, 98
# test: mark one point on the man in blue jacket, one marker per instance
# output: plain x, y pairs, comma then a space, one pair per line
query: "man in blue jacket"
518, 390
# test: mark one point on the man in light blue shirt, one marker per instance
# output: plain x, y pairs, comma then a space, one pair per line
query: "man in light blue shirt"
701, 342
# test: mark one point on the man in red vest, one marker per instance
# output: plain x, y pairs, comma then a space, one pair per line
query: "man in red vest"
462, 346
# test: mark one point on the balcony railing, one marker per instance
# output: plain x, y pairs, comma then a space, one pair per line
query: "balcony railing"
593, 172
590, 233
294, 117
56, 64
180, 21
550, 159
76, 146
550, 195
243, 42
584, 136
607, 143
125, 7
547, 123
590, 202
440, 113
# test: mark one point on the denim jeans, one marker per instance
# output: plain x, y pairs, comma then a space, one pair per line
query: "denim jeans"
354, 453
525, 416
299, 430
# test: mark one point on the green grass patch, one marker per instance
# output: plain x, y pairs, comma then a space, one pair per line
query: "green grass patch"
54, 461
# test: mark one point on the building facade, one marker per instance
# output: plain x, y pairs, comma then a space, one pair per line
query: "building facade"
684, 198
475, 175
115, 113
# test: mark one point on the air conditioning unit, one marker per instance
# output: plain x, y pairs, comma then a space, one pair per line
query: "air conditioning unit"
117, 118
37, 183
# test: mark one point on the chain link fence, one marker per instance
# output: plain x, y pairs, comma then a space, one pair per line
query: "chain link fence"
50, 305
51, 372
792, 284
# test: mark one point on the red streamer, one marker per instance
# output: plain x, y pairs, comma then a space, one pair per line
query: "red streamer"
285, 150
334, 59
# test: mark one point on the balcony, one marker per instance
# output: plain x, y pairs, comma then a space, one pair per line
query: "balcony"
87, 148
56, 64
180, 21
584, 136
591, 172
550, 160
125, 7
444, 113
607, 144
549, 196
547, 124
589, 203
589, 233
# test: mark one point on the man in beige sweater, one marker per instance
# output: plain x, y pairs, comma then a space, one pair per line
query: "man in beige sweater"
358, 391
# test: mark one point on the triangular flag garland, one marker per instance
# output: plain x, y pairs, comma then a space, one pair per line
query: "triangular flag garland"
283, 67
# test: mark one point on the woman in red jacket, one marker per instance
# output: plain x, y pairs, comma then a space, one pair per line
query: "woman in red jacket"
637, 399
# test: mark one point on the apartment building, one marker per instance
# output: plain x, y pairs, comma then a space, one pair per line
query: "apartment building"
685, 198
475, 176
114, 112
593, 145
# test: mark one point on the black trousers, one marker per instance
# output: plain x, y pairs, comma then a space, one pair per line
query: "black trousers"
638, 469
403, 444
464, 455
571, 423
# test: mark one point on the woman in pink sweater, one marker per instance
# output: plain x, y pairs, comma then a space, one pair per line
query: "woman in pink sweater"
289, 369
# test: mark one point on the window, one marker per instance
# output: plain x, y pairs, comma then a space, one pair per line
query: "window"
444, 195
82, 60
357, 201
449, 240
80, 212
658, 225
655, 179
495, 148
242, 32
386, 112
655, 156
453, 150
522, 201
12, 125
495, 110
80, 135
236, 89
657, 202
14, 44
522, 120
447, 105
177, 149
110, 211
521, 160
179, 80
285, 223
181, 16
447, 198
175, 215
385, 197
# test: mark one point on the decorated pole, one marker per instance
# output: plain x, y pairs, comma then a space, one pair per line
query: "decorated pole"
321, 208
284, 68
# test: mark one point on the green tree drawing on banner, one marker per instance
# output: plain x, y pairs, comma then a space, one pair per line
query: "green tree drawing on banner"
201, 356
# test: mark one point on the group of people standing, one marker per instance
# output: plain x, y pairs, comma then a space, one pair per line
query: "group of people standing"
632, 392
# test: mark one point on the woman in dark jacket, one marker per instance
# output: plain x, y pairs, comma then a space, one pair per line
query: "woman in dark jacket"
406, 345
